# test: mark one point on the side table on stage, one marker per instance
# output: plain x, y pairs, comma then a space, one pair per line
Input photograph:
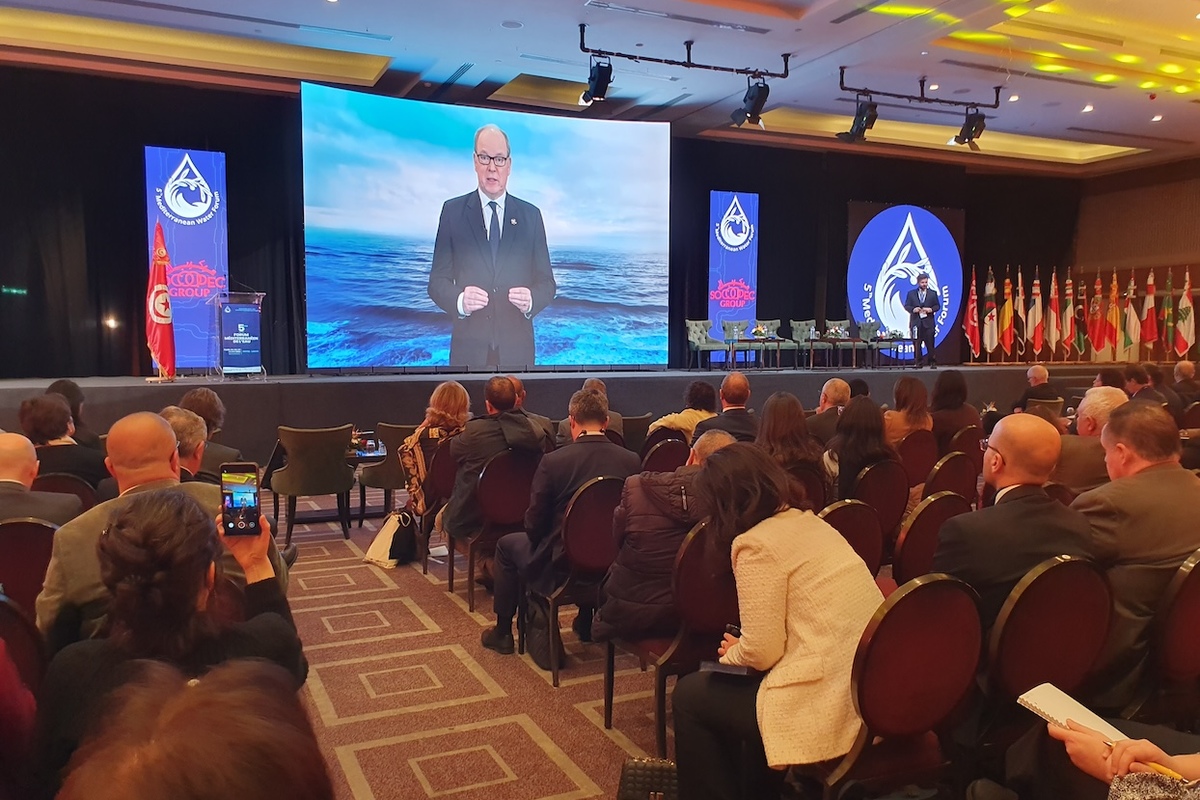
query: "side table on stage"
763, 345
853, 341
890, 344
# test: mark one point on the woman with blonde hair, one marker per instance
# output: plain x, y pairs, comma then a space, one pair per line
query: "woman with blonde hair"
449, 407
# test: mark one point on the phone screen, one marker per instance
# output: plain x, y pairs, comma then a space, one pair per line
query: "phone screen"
239, 494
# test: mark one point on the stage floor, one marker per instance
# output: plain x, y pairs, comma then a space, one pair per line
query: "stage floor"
256, 406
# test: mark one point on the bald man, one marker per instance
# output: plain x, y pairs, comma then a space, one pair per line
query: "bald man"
834, 395
734, 418
993, 548
143, 456
18, 468
1039, 387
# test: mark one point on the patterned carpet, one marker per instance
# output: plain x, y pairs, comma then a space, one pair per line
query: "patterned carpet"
407, 704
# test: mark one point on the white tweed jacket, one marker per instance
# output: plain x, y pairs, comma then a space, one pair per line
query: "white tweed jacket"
805, 598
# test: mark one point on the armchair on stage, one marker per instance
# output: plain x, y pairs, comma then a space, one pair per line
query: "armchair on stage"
807, 337
777, 340
700, 342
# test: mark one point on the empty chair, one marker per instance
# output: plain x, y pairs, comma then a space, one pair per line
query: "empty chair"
700, 341
1062, 494
779, 343
66, 483
666, 456
918, 453
25, 547
316, 465
858, 523
659, 435
954, 472
918, 539
884, 487
388, 474
807, 337
24, 643
635, 431
967, 441
1054, 406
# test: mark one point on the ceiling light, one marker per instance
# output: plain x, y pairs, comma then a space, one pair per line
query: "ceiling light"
752, 103
933, 87
973, 127
926, 52
1014, 98
1089, 108
599, 79
865, 114
1156, 118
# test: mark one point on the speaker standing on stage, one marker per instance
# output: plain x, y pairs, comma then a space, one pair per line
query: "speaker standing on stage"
923, 305
491, 267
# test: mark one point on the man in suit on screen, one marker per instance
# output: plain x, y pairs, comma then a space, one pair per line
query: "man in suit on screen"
491, 266
923, 305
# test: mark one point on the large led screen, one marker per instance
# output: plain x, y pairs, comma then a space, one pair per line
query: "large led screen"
408, 264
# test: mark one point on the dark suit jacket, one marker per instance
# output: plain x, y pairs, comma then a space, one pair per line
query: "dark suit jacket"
615, 423
933, 301
1150, 395
73, 459
740, 422
481, 439
1081, 464
994, 547
824, 425
1043, 391
17, 501
462, 257
558, 477
1143, 529
1188, 391
214, 456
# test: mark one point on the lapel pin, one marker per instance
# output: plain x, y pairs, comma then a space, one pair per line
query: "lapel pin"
513, 221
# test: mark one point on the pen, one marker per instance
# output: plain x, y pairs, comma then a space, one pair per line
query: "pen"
1159, 768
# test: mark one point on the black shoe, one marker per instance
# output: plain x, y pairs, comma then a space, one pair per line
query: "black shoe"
501, 643
583, 626
288, 554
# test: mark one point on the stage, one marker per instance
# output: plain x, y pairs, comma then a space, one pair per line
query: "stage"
256, 406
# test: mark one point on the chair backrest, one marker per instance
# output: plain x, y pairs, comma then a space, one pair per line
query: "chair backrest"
868, 330
66, 483
735, 328
918, 453
954, 472
1050, 629
504, 485
967, 441
587, 530
703, 586
918, 539
666, 456
698, 330
858, 524
615, 437
440, 474
1054, 406
803, 329
884, 487
277, 460
24, 643
844, 324
1063, 494
1191, 416
660, 435
316, 461
770, 325
813, 480
916, 660
1176, 647
635, 431
25, 546
389, 470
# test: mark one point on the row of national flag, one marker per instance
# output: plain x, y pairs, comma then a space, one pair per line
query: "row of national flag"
1115, 324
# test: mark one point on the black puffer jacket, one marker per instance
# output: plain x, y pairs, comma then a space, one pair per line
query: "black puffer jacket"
657, 510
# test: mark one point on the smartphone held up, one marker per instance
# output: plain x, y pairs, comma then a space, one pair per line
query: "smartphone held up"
240, 503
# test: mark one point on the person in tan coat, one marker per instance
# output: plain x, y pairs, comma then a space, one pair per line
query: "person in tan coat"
805, 598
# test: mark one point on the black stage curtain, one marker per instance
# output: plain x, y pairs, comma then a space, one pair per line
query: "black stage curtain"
73, 225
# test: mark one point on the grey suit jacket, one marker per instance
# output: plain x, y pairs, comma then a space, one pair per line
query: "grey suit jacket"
17, 501
73, 577
1143, 529
1081, 464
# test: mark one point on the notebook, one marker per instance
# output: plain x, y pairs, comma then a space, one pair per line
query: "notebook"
1054, 705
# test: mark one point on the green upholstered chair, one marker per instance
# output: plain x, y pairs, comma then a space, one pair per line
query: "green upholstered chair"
387, 474
781, 342
841, 347
738, 329
807, 337
700, 342
316, 465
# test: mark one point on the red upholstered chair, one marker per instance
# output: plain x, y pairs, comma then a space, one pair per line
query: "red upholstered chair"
918, 539
915, 663
967, 441
24, 643
666, 456
590, 550
918, 453
884, 487
66, 483
25, 546
954, 472
439, 483
813, 480
858, 524
503, 497
615, 437
706, 600
1062, 494
1191, 416
660, 435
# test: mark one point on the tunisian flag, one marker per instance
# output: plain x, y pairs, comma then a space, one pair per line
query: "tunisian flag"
971, 318
160, 330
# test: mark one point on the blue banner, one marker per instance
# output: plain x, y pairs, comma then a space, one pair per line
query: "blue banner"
185, 191
732, 259
241, 347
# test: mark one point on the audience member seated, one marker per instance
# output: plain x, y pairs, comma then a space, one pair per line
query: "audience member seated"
834, 396
69, 389
46, 420
859, 443
545, 423
18, 468
534, 557
1137, 385
1143, 527
17, 709
784, 434
446, 416
158, 558
859, 388
949, 407
208, 405
1039, 387
1185, 382
144, 458
1170, 396
190, 432
616, 423
994, 547
734, 418
656, 512
258, 742
1110, 376
1081, 464
804, 599
502, 428
699, 404
911, 412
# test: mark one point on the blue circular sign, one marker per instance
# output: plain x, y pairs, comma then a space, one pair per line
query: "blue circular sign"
896, 246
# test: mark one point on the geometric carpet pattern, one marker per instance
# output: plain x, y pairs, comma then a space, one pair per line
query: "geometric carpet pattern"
407, 704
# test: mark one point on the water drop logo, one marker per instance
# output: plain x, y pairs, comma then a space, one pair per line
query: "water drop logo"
898, 274
734, 231
186, 198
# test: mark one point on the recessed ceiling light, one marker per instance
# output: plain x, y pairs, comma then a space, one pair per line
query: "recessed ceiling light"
1198, 16
926, 52
1156, 118
512, 24
933, 87
1012, 98
1089, 108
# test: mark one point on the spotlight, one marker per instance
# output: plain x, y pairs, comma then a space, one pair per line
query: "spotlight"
973, 127
865, 114
599, 78
752, 103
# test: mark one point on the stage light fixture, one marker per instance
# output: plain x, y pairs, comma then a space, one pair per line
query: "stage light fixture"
865, 114
757, 92
599, 79
973, 127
